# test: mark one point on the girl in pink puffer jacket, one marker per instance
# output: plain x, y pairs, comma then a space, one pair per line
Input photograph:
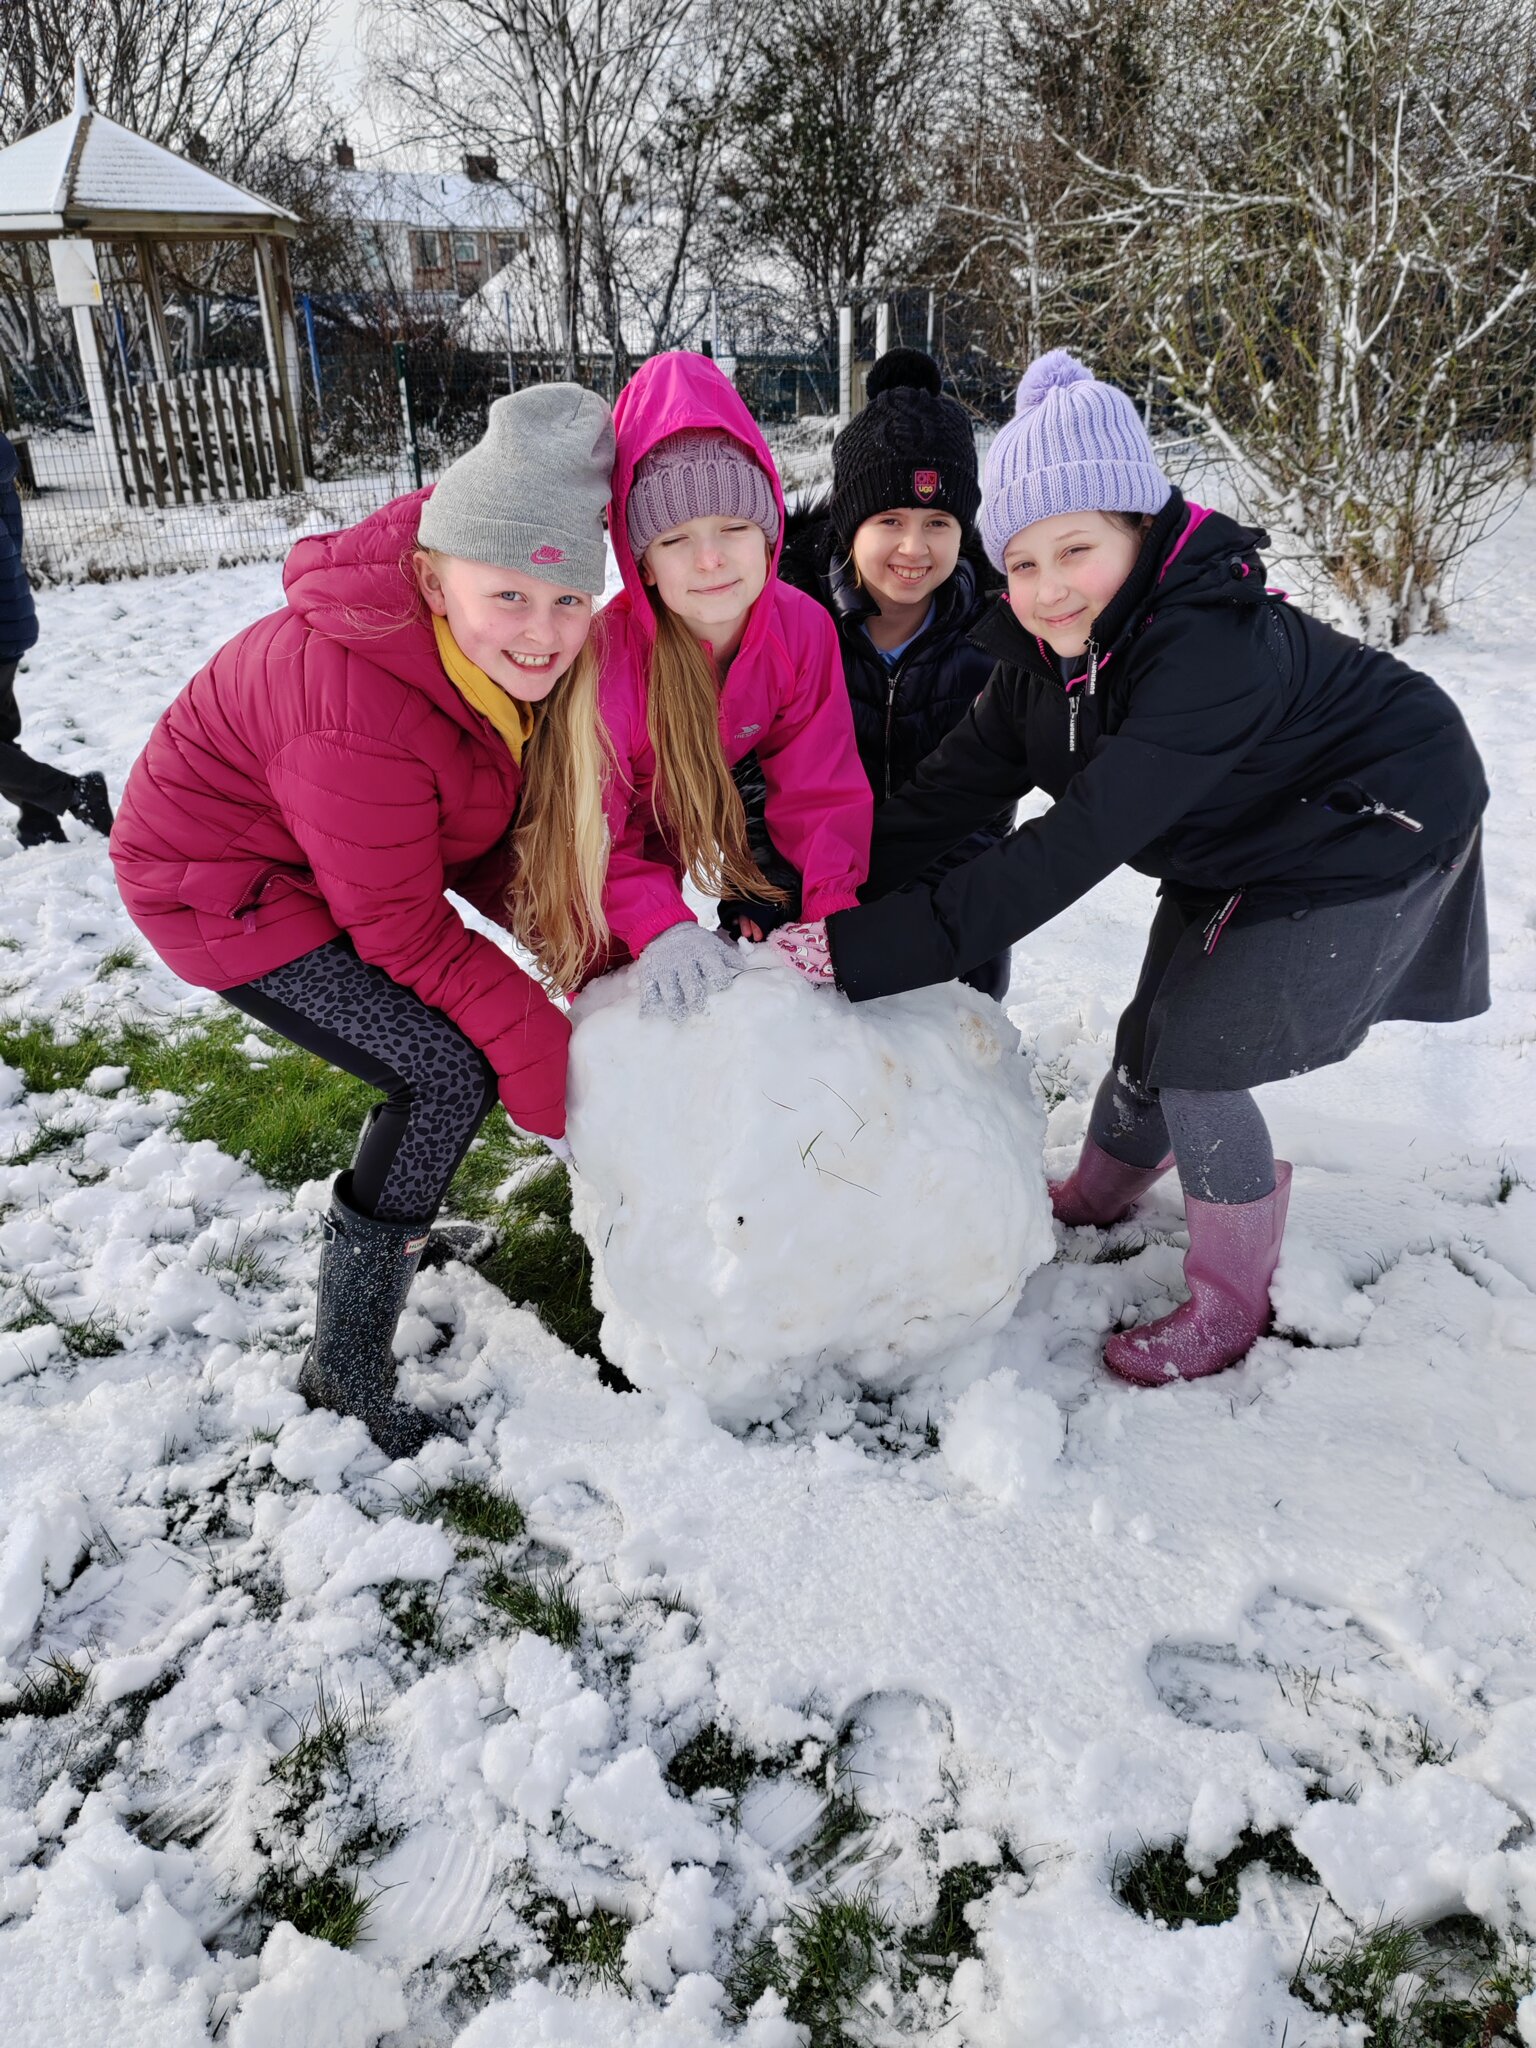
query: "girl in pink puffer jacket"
709, 657
288, 833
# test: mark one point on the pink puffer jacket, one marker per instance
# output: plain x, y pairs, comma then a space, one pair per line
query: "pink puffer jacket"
784, 694
322, 775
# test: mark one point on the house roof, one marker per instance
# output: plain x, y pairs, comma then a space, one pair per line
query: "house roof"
87, 174
431, 199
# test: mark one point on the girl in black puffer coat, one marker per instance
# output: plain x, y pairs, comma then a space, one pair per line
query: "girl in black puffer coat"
1310, 806
894, 556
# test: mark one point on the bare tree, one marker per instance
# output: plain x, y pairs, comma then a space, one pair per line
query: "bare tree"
1331, 247
1050, 87
216, 79
569, 94
837, 116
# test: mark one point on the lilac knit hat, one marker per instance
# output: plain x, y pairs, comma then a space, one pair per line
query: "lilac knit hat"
1073, 445
702, 474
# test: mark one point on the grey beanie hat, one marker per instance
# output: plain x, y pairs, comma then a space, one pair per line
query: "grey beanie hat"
701, 473
1073, 445
530, 494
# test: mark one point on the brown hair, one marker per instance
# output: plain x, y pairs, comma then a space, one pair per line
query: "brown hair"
704, 818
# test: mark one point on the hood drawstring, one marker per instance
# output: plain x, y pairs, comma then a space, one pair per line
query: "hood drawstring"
1220, 921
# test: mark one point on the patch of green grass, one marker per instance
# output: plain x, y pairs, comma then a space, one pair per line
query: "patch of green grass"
97, 1334
834, 1945
713, 1761
1439, 1987
1160, 1884
244, 1265
28, 1310
297, 1123
590, 1944
413, 1612
119, 958
54, 1688
328, 1904
470, 1508
325, 1736
948, 1938
50, 1134
842, 1819
539, 1261
543, 1603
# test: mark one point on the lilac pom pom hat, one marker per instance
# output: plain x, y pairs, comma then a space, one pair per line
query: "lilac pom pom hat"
1073, 445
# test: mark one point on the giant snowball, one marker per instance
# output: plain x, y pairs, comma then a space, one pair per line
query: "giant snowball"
794, 1182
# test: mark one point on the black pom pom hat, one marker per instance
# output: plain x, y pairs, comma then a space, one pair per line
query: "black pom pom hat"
910, 447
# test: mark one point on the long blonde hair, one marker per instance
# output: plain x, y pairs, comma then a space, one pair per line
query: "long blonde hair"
695, 802
560, 838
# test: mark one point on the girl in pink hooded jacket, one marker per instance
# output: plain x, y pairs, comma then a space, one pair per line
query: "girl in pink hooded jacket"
709, 657
288, 833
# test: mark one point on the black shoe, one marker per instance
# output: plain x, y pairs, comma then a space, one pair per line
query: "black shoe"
366, 1270
470, 1243
36, 827
89, 803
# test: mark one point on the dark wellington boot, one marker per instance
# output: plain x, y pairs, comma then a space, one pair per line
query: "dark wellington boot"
90, 803
366, 1270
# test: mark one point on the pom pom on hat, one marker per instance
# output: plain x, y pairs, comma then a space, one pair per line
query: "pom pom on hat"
910, 446
1057, 370
1085, 451
904, 369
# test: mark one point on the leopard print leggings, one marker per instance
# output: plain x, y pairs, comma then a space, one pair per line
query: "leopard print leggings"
438, 1088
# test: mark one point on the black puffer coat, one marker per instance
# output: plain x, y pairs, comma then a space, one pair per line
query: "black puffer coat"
1224, 742
899, 715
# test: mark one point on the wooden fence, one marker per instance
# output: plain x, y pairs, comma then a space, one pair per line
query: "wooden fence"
203, 436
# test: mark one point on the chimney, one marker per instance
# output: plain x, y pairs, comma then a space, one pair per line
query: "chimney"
346, 159
480, 170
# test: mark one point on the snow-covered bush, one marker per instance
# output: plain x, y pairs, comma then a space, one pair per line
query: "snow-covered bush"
794, 1183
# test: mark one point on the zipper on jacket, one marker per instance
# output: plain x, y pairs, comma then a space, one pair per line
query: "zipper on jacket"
1093, 667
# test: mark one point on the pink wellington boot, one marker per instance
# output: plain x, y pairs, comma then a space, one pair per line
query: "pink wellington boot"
1101, 1189
1234, 1248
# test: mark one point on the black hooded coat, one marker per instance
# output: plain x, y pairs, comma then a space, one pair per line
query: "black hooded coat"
1218, 738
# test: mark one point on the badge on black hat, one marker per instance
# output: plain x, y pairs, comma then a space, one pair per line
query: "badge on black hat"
925, 485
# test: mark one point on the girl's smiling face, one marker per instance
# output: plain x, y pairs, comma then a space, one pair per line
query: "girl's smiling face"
709, 573
904, 556
1063, 571
523, 632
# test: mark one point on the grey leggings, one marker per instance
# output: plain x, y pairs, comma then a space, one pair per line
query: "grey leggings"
1218, 1137
438, 1088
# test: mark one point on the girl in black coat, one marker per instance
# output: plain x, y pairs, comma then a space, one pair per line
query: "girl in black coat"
895, 559
1311, 807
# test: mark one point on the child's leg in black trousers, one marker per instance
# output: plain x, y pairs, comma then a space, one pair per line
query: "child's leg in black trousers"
438, 1088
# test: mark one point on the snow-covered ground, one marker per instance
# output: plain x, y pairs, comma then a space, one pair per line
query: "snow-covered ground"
1299, 1596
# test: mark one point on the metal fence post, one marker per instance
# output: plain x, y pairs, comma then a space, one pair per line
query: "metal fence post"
407, 411
845, 363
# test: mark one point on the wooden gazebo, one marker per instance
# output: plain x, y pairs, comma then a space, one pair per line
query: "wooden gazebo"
167, 438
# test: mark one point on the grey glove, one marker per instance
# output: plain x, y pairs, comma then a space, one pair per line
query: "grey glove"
682, 968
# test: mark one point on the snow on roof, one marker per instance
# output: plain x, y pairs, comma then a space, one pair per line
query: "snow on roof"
88, 173
431, 199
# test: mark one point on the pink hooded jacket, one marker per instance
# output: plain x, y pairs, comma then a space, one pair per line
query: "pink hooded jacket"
322, 775
783, 696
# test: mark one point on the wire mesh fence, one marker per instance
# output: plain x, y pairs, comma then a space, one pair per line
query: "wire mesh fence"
196, 469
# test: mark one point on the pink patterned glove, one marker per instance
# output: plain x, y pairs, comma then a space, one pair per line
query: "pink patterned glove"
804, 947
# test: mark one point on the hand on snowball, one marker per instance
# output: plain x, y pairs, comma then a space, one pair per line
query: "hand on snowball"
682, 968
804, 947
561, 1147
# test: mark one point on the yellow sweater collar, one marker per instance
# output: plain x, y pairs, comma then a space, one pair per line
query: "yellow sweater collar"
512, 718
